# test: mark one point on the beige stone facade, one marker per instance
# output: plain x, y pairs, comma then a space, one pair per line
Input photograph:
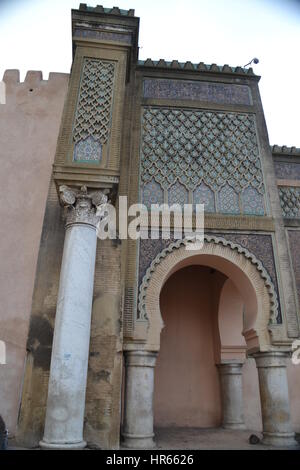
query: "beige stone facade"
161, 336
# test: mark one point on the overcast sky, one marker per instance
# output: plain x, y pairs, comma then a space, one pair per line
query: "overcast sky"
36, 35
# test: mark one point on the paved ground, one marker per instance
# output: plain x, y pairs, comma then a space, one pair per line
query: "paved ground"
210, 439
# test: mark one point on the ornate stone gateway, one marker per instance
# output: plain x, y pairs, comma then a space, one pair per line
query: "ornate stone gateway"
159, 132
260, 312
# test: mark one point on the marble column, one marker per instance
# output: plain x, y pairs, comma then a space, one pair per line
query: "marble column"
232, 394
70, 349
274, 396
138, 405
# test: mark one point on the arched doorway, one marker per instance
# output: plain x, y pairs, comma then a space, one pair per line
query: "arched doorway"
237, 263
260, 306
202, 336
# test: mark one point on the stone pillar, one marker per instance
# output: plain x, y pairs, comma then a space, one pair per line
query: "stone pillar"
232, 394
138, 404
70, 349
274, 396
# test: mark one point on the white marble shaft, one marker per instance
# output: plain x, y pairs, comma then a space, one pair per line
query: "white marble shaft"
70, 349
274, 396
139, 387
231, 381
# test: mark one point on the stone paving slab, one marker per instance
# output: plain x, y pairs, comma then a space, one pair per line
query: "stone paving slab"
208, 438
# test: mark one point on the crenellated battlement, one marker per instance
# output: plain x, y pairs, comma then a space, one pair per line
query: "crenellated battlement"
34, 89
109, 11
200, 67
32, 78
284, 150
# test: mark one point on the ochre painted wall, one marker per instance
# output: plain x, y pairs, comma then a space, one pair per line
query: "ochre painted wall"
186, 380
252, 409
30, 122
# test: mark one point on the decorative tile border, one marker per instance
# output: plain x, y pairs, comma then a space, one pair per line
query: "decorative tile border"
220, 93
102, 35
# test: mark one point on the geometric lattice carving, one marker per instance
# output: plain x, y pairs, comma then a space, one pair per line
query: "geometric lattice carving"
204, 195
178, 194
228, 200
152, 194
193, 147
93, 112
252, 202
290, 201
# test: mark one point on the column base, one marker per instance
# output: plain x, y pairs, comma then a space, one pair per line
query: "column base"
133, 441
234, 426
62, 445
279, 439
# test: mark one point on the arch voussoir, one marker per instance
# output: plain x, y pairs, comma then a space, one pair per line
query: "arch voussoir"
175, 253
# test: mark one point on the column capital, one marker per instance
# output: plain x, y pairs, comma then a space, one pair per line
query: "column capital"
81, 206
232, 367
271, 358
140, 358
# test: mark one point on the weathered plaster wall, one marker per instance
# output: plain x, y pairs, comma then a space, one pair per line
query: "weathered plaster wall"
231, 316
103, 398
30, 122
39, 343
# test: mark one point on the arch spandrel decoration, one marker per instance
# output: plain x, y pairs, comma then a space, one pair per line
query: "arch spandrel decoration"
176, 255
